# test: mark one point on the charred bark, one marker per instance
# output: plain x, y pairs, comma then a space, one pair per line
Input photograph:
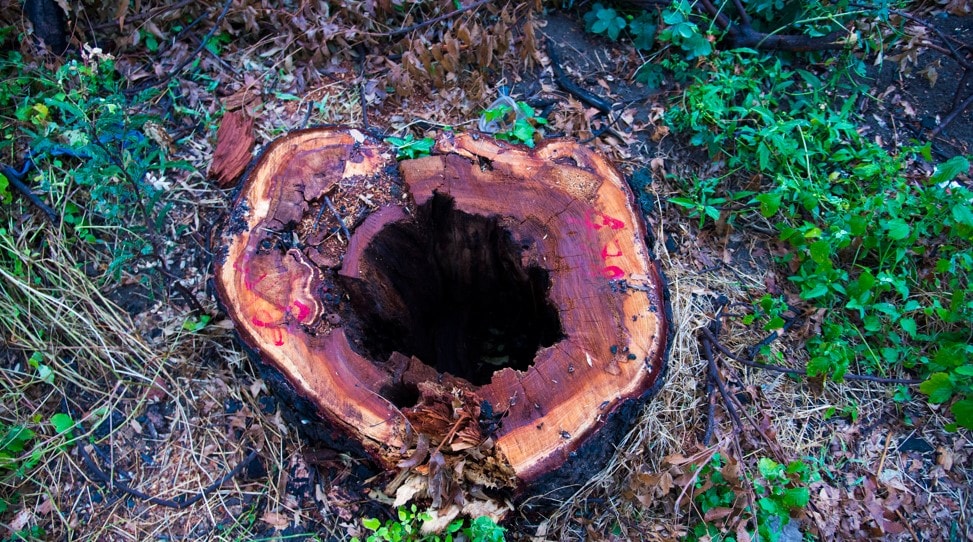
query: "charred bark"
50, 24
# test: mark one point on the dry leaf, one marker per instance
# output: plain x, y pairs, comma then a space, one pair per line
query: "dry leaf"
276, 520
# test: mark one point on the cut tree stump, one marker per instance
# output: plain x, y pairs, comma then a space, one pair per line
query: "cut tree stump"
494, 317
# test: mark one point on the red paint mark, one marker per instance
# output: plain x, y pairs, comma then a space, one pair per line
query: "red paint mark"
277, 333
302, 310
594, 217
248, 282
613, 272
604, 251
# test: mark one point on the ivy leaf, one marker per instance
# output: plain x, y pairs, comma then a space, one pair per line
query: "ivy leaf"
643, 29
938, 387
696, 45
909, 326
5, 195
961, 212
372, 524
524, 132
769, 204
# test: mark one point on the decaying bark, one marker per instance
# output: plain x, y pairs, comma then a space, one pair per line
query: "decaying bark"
493, 308
234, 147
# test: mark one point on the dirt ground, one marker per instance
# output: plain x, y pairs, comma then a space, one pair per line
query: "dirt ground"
889, 470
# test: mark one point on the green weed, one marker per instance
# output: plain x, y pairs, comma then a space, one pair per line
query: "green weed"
94, 160
886, 254
407, 528
780, 490
638, 27
409, 147
512, 121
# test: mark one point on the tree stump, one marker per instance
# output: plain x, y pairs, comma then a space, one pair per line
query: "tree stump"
483, 317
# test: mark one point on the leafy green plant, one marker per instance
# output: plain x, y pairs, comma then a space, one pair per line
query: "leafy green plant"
94, 159
409, 147
408, 528
515, 124
680, 30
887, 256
194, 324
639, 27
13, 444
781, 490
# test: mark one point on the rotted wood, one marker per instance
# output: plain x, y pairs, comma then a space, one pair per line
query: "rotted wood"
493, 308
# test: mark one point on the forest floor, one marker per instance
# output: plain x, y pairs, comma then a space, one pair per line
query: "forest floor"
196, 409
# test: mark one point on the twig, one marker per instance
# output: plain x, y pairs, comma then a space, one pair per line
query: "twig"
190, 57
16, 180
799, 372
148, 14
710, 412
571, 87
341, 221
434, 20
743, 35
952, 116
714, 374
190, 298
178, 503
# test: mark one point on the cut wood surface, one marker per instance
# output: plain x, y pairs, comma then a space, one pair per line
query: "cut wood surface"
492, 301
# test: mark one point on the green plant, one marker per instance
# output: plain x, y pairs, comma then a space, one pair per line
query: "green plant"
194, 324
409, 147
781, 490
94, 159
720, 492
407, 528
885, 254
639, 27
681, 31
516, 122
13, 444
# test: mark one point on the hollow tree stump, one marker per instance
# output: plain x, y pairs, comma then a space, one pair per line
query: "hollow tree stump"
493, 309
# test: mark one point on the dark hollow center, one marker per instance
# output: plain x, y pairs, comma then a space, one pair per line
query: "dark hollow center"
450, 288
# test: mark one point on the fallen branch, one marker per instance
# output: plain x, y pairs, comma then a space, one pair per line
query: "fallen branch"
177, 503
434, 20
799, 372
571, 87
16, 179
